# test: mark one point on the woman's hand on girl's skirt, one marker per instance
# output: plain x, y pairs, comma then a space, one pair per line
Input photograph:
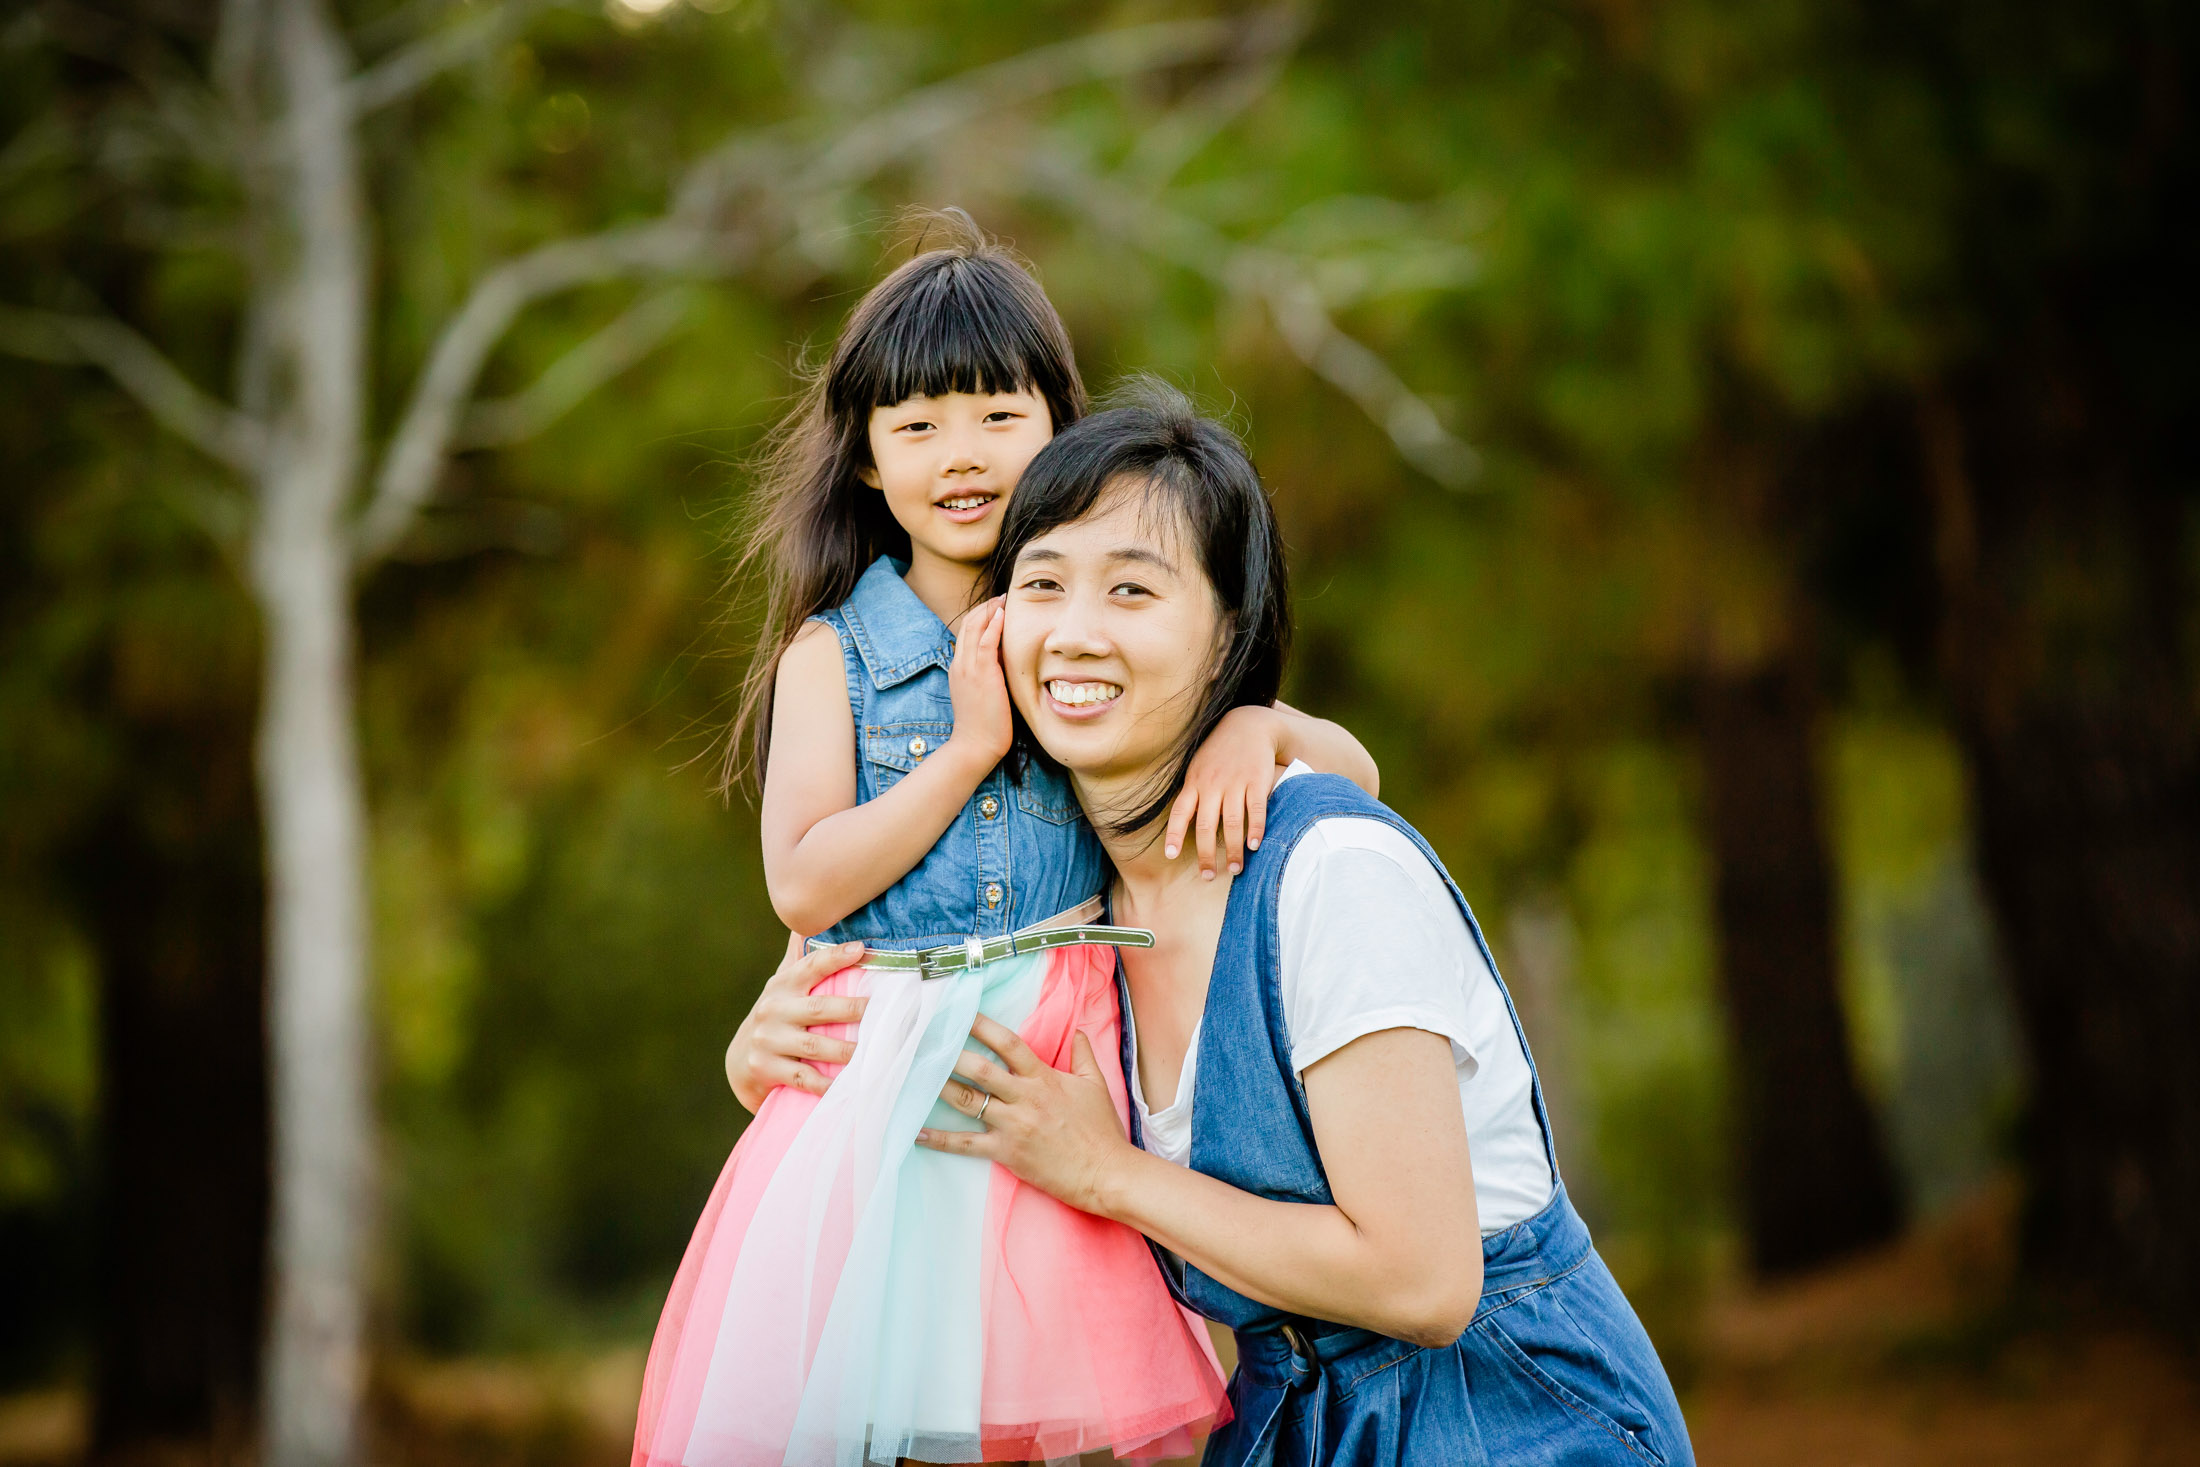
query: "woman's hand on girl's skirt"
777, 1043
1055, 1129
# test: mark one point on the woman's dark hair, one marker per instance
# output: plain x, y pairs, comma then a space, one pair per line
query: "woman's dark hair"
964, 316
1150, 441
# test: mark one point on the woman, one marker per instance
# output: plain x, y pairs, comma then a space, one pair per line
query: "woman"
1339, 1146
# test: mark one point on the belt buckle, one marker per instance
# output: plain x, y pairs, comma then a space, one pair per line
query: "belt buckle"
1297, 1342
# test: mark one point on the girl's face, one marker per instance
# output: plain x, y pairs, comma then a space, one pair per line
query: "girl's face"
1110, 638
946, 465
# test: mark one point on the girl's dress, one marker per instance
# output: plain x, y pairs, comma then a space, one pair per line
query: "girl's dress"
850, 1296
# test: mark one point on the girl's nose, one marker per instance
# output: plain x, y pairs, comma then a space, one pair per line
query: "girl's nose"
965, 454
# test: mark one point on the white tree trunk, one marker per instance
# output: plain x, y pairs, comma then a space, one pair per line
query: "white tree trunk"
310, 779
317, 1012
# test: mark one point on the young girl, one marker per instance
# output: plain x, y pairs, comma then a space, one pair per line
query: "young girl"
848, 1296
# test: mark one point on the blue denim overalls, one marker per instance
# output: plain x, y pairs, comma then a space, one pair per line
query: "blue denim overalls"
1019, 853
1555, 1367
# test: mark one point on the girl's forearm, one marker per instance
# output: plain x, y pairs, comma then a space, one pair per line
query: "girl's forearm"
849, 857
1303, 1257
1329, 747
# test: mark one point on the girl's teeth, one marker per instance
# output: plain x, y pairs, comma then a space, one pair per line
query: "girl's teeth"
1077, 693
972, 502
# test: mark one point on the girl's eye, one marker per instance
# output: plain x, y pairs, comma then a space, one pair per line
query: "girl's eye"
913, 428
1001, 415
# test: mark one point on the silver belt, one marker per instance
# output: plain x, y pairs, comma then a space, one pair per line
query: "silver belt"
976, 952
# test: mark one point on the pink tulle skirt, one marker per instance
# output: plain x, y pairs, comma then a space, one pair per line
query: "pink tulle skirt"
850, 1297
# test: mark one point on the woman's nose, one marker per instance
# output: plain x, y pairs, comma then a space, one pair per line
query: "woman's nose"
1077, 629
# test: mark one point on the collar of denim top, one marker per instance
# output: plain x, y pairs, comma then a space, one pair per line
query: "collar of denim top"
895, 633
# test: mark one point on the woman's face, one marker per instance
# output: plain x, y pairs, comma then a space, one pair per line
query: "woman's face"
1110, 637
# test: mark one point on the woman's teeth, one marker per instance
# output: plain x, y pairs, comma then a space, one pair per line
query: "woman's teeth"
966, 501
1074, 694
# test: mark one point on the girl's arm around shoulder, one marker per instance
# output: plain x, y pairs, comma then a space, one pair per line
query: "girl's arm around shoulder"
825, 855
1397, 1252
1225, 798
1327, 747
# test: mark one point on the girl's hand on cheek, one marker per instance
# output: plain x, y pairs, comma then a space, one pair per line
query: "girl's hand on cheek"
1225, 797
984, 719
1056, 1130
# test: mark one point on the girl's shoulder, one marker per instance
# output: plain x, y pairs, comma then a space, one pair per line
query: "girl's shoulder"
815, 642
813, 667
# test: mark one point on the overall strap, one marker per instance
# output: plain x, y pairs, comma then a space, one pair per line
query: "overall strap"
1251, 1126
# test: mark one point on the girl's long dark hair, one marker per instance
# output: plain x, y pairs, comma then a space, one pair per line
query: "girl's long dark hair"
965, 316
1148, 439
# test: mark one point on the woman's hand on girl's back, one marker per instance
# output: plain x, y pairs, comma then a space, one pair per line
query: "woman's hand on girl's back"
777, 1043
985, 721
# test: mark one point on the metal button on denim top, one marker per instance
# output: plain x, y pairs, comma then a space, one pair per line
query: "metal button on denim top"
1019, 852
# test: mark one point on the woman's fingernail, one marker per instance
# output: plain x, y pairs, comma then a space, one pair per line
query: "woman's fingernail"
1253, 844
1205, 874
1170, 851
1235, 868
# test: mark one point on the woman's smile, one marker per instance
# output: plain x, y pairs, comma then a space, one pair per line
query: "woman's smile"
1071, 698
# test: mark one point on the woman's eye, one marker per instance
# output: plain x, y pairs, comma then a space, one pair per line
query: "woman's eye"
1040, 583
1128, 588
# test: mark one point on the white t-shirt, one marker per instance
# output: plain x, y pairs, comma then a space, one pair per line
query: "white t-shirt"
1372, 940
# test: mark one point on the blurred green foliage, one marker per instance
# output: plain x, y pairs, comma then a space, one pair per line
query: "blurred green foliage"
1573, 228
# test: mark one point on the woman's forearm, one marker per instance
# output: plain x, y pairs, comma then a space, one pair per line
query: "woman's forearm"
1303, 1257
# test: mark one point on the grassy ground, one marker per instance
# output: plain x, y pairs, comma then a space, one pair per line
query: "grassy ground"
1921, 1356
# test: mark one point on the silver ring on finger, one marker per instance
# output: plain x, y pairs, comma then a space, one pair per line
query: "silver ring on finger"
979, 1113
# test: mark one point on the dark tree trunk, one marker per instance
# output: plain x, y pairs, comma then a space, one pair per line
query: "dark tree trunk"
2058, 455
168, 884
1814, 1175
2087, 822
2077, 716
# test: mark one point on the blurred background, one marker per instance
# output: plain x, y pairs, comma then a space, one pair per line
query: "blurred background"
1738, 466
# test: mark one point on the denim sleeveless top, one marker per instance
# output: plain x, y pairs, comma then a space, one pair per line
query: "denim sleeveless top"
1018, 853
1555, 1367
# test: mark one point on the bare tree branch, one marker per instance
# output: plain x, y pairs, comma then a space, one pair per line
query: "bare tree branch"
1283, 285
209, 424
695, 236
407, 70
931, 111
637, 332
423, 437
1258, 53
810, 172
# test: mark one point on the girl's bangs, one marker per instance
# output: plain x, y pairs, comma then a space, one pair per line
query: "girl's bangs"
949, 335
